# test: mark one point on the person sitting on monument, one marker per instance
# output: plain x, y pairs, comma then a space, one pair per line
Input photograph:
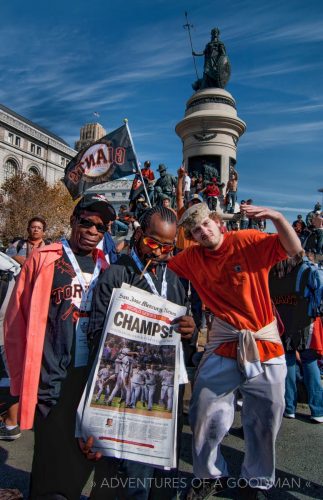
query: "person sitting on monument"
231, 191
186, 187
199, 183
211, 193
193, 184
149, 176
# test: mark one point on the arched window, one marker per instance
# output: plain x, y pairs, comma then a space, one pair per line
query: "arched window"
34, 171
10, 168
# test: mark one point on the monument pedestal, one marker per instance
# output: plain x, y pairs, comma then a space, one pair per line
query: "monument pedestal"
210, 132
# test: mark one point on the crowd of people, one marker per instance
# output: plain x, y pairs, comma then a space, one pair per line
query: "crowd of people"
179, 248
205, 183
174, 192
310, 231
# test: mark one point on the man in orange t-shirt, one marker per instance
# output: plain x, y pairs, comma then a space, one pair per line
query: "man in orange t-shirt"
230, 273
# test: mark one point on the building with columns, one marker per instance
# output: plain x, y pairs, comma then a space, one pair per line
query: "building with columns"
117, 192
28, 147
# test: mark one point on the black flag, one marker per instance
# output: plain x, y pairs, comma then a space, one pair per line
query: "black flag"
137, 188
109, 158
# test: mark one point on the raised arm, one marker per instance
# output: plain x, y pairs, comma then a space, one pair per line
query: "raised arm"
286, 233
179, 188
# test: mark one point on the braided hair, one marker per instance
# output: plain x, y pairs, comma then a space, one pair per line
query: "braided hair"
165, 214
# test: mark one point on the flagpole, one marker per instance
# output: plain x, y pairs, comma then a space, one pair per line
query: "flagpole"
136, 159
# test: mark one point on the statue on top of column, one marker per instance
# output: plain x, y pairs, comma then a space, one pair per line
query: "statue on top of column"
217, 68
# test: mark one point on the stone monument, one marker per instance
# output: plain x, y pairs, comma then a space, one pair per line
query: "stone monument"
211, 128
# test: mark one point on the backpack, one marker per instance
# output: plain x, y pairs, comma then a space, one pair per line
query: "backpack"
21, 243
9, 268
313, 288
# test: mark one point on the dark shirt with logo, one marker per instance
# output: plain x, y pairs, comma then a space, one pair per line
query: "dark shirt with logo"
292, 307
59, 345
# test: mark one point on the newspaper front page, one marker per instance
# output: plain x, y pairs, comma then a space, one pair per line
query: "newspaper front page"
130, 403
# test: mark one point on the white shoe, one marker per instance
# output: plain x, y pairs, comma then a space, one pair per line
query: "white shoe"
289, 415
318, 420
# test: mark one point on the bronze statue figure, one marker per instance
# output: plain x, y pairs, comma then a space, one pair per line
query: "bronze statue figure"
217, 67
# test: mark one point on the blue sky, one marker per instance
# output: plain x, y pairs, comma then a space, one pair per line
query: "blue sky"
61, 61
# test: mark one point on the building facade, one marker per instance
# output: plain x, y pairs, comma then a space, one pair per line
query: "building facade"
117, 192
89, 133
27, 147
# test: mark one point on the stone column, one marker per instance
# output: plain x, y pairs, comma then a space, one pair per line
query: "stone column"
210, 129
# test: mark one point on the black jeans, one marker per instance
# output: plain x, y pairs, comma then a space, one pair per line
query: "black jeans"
59, 469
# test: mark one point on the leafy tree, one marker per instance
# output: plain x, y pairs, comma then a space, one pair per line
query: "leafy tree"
28, 195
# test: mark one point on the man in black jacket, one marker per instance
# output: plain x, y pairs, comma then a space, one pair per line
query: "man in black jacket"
154, 240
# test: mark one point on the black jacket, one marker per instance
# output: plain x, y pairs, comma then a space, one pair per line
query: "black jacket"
126, 271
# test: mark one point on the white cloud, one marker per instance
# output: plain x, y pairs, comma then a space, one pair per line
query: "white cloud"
304, 32
273, 108
275, 69
294, 133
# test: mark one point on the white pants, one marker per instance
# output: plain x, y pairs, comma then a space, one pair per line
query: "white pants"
102, 388
136, 391
167, 391
150, 391
212, 414
119, 386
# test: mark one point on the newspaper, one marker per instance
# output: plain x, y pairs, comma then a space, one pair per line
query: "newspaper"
129, 405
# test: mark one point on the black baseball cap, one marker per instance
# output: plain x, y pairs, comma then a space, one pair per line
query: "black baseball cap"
96, 203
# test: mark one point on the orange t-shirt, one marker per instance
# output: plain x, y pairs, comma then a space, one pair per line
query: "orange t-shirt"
181, 241
233, 282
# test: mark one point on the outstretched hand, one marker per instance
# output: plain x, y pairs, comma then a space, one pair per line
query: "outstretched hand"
86, 449
255, 212
181, 172
185, 325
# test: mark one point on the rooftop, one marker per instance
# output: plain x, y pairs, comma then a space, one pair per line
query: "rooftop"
32, 124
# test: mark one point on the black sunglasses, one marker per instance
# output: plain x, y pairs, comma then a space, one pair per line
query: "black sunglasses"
101, 228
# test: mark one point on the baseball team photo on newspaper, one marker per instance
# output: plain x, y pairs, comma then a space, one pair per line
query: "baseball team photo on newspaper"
130, 403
